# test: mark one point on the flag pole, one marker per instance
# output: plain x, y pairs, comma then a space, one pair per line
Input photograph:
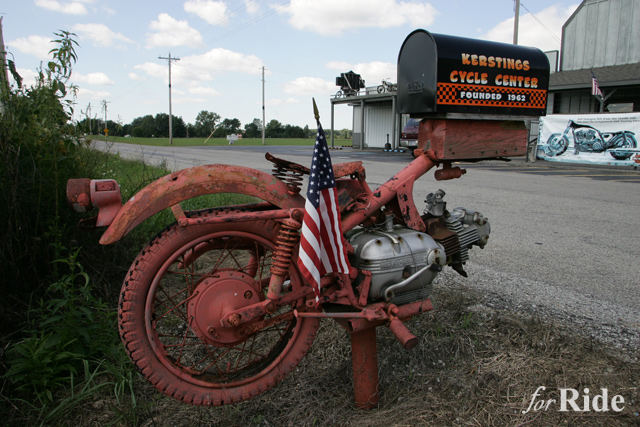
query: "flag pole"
315, 111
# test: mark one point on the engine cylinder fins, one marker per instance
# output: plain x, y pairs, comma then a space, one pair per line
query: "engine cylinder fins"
468, 237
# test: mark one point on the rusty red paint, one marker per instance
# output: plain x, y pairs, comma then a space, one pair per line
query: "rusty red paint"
403, 334
387, 192
231, 309
405, 312
78, 194
83, 195
369, 314
234, 217
105, 195
364, 359
232, 319
193, 182
447, 172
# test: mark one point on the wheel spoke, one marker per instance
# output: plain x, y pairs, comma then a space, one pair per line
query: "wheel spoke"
189, 278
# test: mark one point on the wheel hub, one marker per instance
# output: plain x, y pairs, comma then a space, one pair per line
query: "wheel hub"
214, 297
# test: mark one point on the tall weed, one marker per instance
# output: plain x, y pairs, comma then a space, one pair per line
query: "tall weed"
38, 152
69, 327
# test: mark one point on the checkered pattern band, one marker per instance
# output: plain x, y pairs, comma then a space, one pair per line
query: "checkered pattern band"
463, 94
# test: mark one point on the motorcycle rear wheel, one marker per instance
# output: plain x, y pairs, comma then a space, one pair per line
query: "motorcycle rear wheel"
623, 141
174, 295
558, 144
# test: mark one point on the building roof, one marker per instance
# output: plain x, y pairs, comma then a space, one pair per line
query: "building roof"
612, 76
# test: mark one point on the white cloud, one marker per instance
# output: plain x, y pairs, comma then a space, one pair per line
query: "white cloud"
252, 6
169, 32
309, 86
92, 94
214, 12
202, 90
219, 60
334, 17
372, 72
37, 46
93, 78
136, 77
533, 33
151, 68
108, 10
100, 34
69, 8
204, 67
29, 77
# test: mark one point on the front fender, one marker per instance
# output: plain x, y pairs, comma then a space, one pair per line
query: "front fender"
197, 181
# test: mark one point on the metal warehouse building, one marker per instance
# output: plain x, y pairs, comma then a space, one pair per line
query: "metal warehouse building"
603, 37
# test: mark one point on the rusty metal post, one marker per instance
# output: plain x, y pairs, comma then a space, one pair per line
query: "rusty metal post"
364, 356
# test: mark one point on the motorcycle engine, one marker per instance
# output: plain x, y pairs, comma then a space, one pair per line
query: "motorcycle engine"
403, 262
585, 135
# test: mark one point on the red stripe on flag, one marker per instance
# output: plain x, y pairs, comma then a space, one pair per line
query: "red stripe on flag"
321, 248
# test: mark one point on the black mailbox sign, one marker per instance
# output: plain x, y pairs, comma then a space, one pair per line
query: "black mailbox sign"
446, 74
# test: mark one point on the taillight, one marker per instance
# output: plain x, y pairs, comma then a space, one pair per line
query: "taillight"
84, 194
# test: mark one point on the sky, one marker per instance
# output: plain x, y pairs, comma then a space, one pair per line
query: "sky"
221, 47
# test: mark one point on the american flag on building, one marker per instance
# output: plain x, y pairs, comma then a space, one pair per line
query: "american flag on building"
321, 249
595, 88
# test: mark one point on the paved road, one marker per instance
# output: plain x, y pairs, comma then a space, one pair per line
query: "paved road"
565, 239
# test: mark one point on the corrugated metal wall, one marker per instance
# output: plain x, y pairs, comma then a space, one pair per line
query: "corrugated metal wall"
378, 123
602, 33
357, 126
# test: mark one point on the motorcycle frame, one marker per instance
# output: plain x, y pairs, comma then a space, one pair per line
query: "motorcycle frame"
396, 195
282, 203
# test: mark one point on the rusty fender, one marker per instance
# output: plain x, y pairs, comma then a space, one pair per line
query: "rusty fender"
197, 181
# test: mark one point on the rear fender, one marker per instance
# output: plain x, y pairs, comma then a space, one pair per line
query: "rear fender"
197, 181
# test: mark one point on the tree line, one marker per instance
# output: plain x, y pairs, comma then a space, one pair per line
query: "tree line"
206, 124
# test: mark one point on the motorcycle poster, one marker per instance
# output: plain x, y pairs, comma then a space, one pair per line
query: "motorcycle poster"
590, 138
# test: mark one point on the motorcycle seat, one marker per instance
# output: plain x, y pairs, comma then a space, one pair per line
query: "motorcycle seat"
339, 169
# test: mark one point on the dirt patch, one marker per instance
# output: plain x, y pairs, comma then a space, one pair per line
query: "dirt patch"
474, 366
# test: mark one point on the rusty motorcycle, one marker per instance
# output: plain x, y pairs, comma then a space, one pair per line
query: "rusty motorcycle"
214, 310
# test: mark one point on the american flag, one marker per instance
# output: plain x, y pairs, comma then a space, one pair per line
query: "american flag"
595, 88
321, 249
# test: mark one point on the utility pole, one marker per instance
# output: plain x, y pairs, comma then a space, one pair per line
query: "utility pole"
515, 22
263, 114
4, 72
106, 127
169, 59
87, 112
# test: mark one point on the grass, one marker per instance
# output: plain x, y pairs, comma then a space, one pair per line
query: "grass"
69, 359
474, 365
216, 142
462, 373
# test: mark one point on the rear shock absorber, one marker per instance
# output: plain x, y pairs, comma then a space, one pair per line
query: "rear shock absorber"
286, 242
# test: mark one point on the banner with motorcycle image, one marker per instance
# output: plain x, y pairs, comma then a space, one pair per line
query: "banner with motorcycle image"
590, 138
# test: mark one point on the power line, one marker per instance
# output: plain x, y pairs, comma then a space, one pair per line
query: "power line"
541, 23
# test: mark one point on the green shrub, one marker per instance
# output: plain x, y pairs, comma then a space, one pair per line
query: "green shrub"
69, 328
38, 153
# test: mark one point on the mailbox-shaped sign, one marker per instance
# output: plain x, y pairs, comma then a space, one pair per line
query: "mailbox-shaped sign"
473, 96
445, 74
